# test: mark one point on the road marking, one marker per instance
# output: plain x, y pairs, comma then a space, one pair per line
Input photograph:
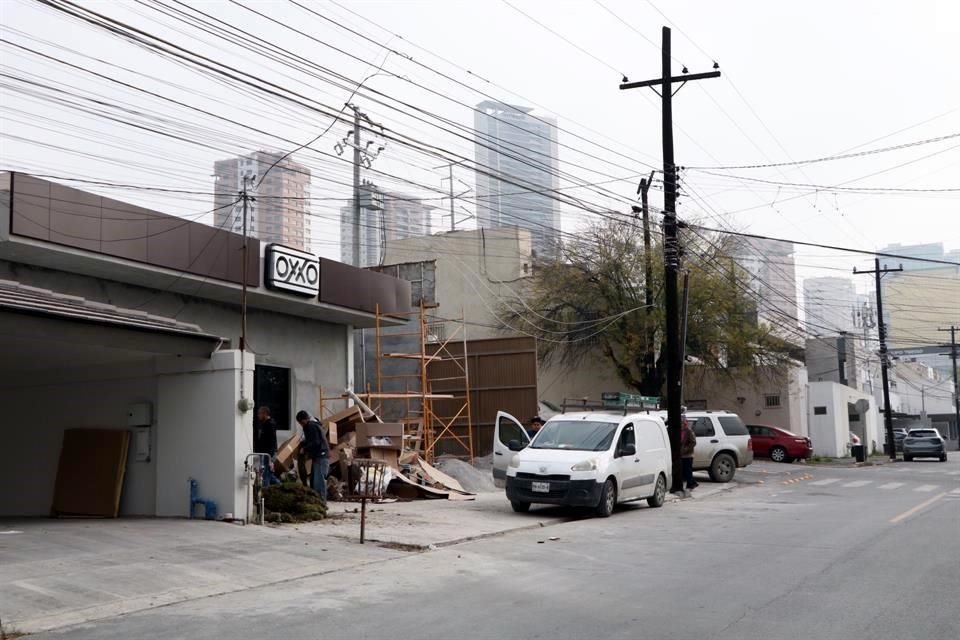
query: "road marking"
892, 485
926, 488
858, 483
909, 512
821, 483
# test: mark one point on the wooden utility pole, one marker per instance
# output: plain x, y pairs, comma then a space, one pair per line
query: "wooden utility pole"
649, 357
956, 388
884, 358
671, 253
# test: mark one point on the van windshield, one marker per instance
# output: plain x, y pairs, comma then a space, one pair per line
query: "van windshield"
576, 435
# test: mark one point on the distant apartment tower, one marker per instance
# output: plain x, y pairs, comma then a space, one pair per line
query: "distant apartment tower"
830, 305
773, 280
517, 172
384, 216
929, 251
280, 211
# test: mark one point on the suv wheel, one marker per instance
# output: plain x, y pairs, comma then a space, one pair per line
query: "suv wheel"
943, 457
723, 468
778, 454
608, 499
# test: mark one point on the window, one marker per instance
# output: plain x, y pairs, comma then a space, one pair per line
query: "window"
760, 432
627, 437
772, 400
510, 430
271, 388
819, 411
703, 427
733, 426
579, 435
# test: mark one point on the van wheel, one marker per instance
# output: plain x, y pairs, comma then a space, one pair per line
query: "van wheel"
520, 507
608, 499
659, 493
778, 454
723, 468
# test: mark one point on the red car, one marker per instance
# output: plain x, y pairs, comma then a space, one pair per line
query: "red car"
779, 444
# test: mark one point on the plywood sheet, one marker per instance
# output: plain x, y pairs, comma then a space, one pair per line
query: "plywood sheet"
90, 472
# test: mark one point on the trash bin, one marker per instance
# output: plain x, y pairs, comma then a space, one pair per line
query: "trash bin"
859, 452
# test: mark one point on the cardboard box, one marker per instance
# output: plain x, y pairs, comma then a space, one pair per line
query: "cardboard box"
286, 454
389, 455
381, 435
342, 423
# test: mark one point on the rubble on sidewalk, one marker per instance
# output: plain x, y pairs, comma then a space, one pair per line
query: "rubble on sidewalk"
292, 502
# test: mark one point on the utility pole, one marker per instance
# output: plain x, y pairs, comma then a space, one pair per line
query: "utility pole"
361, 156
956, 387
671, 243
453, 197
647, 258
245, 197
884, 359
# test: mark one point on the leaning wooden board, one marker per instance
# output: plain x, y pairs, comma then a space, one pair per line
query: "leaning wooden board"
90, 472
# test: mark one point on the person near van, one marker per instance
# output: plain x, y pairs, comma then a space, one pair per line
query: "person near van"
318, 452
688, 442
265, 442
536, 423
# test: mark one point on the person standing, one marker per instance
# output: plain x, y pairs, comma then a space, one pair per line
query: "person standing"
688, 442
265, 442
536, 423
318, 452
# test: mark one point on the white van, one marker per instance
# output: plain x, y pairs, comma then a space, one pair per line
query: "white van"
583, 459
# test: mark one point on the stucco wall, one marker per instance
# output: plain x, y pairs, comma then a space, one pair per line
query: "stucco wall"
35, 414
316, 352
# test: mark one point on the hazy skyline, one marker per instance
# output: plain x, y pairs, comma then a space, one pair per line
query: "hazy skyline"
799, 82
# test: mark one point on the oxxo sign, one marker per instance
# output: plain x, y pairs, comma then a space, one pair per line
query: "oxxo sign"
292, 270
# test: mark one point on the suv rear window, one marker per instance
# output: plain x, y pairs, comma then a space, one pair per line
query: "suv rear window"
733, 426
923, 433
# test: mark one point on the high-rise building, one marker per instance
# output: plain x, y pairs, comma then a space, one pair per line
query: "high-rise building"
517, 172
930, 251
280, 209
384, 216
772, 276
830, 305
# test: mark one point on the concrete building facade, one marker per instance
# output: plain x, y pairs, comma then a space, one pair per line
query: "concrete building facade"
104, 306
772, 275
517, 172
280, 210
830, 305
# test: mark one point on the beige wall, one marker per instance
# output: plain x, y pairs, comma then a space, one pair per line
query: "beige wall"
589, 379
916, 303
745, 393
476, 270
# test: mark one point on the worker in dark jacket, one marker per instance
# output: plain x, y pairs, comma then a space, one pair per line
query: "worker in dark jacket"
318, 451
265, 442
688, 442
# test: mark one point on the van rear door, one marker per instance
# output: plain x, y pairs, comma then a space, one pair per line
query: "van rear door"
505, 429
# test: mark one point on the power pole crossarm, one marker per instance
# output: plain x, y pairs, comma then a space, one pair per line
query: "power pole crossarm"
884, 359
671, 247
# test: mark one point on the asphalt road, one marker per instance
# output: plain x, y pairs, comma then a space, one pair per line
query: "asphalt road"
804, 552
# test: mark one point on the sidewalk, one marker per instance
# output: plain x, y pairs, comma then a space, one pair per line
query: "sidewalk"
58, 573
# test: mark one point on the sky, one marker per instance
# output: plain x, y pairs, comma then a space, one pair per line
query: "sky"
799, 81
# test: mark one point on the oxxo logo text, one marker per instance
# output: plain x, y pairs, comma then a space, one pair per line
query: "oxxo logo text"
292, 270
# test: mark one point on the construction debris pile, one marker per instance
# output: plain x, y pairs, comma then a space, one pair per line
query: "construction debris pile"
357, 433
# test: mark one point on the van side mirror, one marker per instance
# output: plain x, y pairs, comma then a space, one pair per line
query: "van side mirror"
628, 450
515, 445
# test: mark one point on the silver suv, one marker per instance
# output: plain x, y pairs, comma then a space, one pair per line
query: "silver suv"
723, 443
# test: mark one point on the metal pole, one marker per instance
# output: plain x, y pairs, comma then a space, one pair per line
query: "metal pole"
956, 387
243, 290
357, 262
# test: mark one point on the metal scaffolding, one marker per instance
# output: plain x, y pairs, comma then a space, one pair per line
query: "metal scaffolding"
431, 396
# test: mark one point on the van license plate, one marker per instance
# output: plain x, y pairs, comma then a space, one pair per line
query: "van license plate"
540, 487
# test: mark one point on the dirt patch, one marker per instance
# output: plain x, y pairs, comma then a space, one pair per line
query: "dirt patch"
400, 546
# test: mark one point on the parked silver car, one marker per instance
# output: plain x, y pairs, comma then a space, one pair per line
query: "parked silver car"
723, 443
924, 443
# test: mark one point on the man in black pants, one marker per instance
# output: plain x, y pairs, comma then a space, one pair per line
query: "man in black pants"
688, 442
318, 451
